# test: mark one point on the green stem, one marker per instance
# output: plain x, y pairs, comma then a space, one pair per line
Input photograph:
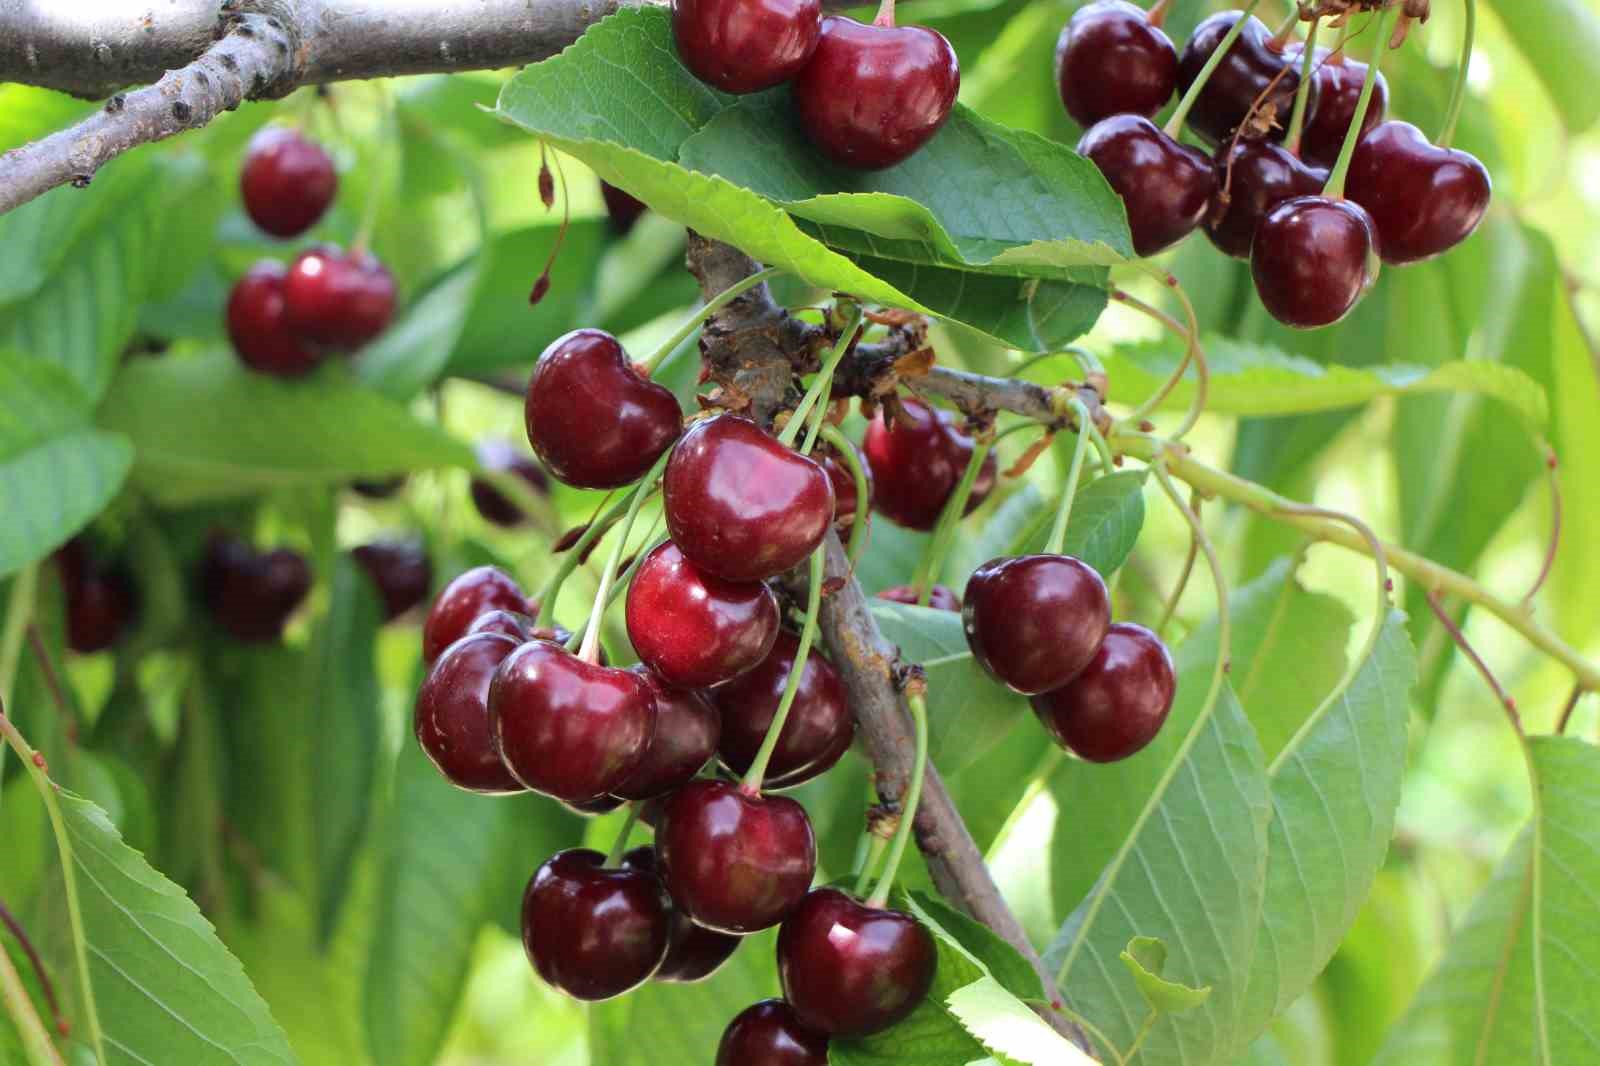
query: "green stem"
696, 320
802, 656
908, 808
1458, 94
590, 649
19, 614
1302, 94
876, 847
381, 175
1181, 115
1058, 532
649, 543
955, 508
1138, 1040
1334, 190
573, 557
824, 380
36, 1042
620, 846
852, 460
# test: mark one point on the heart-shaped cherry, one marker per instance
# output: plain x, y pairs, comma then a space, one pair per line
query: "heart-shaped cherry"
769, 1034
591, 932
817, 732
1313, 259
1257, 176
400, 570
695, 952
1423, 199
744, 46
478, 591
1253, 66
851, 970
1118, 704
741, 504
1166, 186
451, 715
1035, 621
259, 329
942, 598
594, 420
685, 739
846, 505
1111, 60
734, 862
506, 458
100, 602
1338, 83
287, 181
873, 95
693, 628
252, 594
339, 300
622, 209
917, 460
570, 729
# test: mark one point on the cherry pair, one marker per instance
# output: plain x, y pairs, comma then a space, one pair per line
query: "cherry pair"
252, 594
101, 601
917, 458
284, 321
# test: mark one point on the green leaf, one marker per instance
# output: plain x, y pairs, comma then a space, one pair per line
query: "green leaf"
999, 959
1561, 39
1145, 957
1107, 516
1006, 1026
410, 354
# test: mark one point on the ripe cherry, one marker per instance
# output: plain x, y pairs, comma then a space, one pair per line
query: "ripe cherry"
846, 507
478, 591
594, 420
1338, 84
1313, 259
259, 328
622, 209
849, 969
1257, 176
817, 732
917, 461
287, 181
400, 570
451, 715
1423, 199
1166, 186
521, 628
873, 95
591, 932
741, 504
744, 46
695, 952
1118, 704
1035, 621
100, 602
685, 739
506, 458
734, 862
942, 598
252, 594
1112, 60
769, 1034
338, 300
1252, 64
693, 628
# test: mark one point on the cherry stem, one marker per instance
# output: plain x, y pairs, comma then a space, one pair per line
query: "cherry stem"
19, 613
751, 785
1302, 93
1435, 602
1194, 355
824, 380
913, 798
381, 175
955, 508
1554, 546
876, 847
620, 846
9, 920
572, 558
862, 523
1174, 125
885, 15
1334, 190
590, 650
1157, 15
36, 1041
1566, 712
1058, 532
699, 318
1458, 94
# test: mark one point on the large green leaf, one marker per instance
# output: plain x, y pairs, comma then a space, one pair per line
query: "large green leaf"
1561, 39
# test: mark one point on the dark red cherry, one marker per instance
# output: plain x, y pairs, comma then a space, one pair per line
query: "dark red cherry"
816, 734
1110, 60
522, 628
1257, 176
594, 420
917, 461
339, 300
596, 807
1423, 199
695, 952
252, 594
1250, 67
873, 95
568, 728
478, 591
451, 715
1166, 186
1313, 260
733, 862
622, 209
287, 181
400, 570
693, 628
591, 932
769, 1034
742, 505
504, 457
1338, 81
744, 46
942, 598
1118, 704
259, 329
685, 739
846, 507
1035, 621
100, 602
852, 970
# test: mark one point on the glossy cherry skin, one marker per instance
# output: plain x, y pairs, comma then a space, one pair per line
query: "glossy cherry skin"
1035, 621
733, 862
695, 629
252, 594
1110, 60
338, 300
685, 739
1258, 176
1120, 701
451, 715
1250, 66
478, 591
917, 462
846, 504
1312, 260
593, 419
259, 328
1338, 83
942, 598
744, 46
1423, 199
400, 570
851, 970
1166, 186
695, 952
873, 95
506, 458
769, 1034
740, 504
622, 208
287, 181
817, 733
591, 932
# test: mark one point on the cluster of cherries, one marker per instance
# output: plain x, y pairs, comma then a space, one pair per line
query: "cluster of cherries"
1312, 250
284, 320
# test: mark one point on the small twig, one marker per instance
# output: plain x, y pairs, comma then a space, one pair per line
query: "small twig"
9, 920
1571, 706
1552, 465
1171, 607
52, 681
1477, 660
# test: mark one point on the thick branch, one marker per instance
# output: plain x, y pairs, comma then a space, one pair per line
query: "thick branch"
94, 49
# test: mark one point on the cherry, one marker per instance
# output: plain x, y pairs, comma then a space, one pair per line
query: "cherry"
741, 504
259, 329
339, 300
478, 591
734, 862
1111, 60
591, 932
522, 628
287, 181
685, 739
1035, 621
571, 729
1252, 64
769, 1034
379, 489
744, 46
252, 594
1166, 186
594, 420
400, 570
622, 208
506, 458
846, 507
849, 969
693, 628
1338, 81
942, 598
1257, 176
451, 715
1423, 199
873, 95
817, 733
695, 952
1313, 260
100, 603
1118, 704
918, 461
